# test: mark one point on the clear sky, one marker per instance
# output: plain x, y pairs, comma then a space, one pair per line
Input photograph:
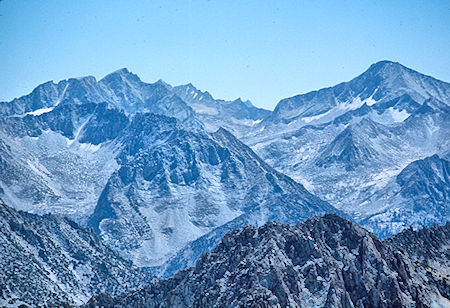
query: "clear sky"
258, 50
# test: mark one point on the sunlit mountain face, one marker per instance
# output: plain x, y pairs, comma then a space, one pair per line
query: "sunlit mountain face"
353, 144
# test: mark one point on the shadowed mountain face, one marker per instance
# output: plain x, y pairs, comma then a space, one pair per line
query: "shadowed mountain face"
48, 259
348, 143
323, 262
418, 195
174, 185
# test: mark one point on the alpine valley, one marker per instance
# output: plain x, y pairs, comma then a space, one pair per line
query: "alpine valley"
106, 185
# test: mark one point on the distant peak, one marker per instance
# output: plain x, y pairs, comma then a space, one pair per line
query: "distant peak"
246, 102
163, 83
83, 79
383, 65
122, 71
385, 62
188, 86
224, 133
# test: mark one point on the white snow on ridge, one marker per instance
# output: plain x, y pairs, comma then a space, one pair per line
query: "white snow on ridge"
370, 101
316, 117
40, 111
340, 109
62, 95
356, 103
390, 116
90, 147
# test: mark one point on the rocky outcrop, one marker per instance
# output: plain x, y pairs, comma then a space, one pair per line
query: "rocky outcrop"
324, 262
48, 259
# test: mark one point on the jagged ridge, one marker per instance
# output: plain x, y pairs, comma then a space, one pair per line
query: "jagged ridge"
323, 262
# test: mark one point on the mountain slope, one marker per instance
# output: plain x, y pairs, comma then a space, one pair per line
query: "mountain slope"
418, 195
59, 161
428, 245
47, 259
382, 85
125, 91
175, 185
323, 262
133, 160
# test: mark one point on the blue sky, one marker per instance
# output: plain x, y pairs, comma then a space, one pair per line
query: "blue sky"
258, 50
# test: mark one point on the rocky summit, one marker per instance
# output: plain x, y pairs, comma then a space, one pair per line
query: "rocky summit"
132, 161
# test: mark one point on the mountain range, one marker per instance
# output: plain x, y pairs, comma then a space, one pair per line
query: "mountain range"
147, 183
353, 144
160, 173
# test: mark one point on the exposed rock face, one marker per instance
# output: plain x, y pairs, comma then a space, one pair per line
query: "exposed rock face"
428, 245
174, 186
138, 162
323, 262
49, 259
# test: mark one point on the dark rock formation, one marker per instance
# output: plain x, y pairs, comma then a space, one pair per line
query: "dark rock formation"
324, 262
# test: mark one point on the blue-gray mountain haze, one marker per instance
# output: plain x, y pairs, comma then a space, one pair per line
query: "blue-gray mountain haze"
162, 173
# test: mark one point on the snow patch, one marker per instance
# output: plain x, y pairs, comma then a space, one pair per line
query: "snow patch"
316, 117
370, 101
340, 109
307, 184
397, 115
90, 147
202, 109
40, 111
62, 95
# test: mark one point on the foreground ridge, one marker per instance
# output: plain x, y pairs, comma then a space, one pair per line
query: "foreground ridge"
324, 262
